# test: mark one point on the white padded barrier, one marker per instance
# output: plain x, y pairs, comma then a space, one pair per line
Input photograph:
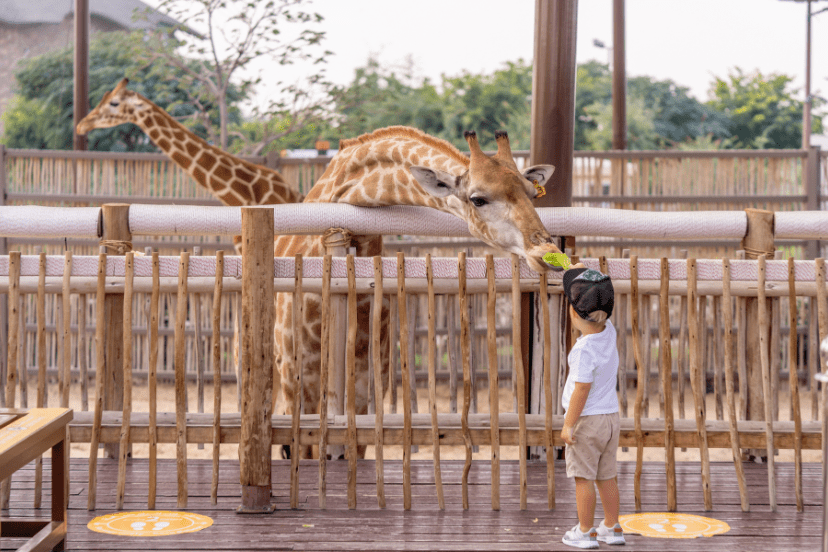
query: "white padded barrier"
803, 225
316, 218
31, 221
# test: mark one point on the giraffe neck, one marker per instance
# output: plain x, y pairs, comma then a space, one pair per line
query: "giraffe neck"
232, 180
372, 170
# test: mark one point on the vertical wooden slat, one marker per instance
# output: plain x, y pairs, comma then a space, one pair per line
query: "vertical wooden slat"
393, 356
822, 312
432, 384
717, 365
520, 383
11, 352
376, 361
764, 353
665, 354
40, 400
451, 344
402, 311
641, 380
127, 411
66, 361
547, 390
217, 291
465, 355
682, 347
180, 380
350, 382
697, 380
494, 399
296, 389
22, 366
152, 379
793, 381
324, 379
729, 388
100, 332
82, 352
741, 349
197, 349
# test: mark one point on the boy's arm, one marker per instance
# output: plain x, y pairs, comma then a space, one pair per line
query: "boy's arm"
576, 405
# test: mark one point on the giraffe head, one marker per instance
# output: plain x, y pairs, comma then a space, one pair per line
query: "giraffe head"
495, 199
117, 107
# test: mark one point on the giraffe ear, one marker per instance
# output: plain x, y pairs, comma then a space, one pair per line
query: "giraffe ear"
539, 173
434, 181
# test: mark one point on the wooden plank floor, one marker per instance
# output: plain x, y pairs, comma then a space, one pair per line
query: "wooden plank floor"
425, 527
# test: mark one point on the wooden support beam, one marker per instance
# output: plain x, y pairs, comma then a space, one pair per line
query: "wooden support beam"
257, 359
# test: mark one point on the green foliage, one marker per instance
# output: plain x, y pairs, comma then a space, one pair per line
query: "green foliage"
41, 116
763, 111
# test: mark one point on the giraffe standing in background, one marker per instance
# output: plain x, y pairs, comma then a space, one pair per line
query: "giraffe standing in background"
232, 180
404, 166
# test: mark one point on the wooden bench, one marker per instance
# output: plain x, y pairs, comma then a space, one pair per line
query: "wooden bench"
24, 436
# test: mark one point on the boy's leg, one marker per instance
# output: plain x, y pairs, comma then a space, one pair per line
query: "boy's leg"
585, 500
608, 488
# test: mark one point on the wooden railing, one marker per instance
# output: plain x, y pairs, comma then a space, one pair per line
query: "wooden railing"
680, 321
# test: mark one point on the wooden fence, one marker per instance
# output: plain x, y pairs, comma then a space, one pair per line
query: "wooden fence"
680, 322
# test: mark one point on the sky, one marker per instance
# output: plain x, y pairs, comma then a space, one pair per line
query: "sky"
687, 41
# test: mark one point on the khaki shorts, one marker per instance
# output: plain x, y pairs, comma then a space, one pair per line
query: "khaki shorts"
593, 455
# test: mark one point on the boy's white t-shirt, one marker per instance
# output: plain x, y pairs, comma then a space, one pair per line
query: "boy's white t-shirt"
594, 359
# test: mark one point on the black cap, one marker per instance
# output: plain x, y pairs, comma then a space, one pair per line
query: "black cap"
588, 291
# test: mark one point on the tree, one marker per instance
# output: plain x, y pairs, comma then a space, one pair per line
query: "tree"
237, 32
762, 110
41, 116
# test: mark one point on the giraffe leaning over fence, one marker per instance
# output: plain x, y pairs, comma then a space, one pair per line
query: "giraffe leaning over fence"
405, 166
232, 180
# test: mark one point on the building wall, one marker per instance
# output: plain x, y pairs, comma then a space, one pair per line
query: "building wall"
21, 42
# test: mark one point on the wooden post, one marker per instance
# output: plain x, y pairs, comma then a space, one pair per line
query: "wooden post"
758, 240
494, 403
666, 364
257, 359
81, 71
117, 238
812, 188
465, 355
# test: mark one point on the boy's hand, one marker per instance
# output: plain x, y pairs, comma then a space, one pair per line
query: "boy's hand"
567, 435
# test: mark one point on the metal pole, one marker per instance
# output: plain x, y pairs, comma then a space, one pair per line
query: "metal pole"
806, 112
81, 64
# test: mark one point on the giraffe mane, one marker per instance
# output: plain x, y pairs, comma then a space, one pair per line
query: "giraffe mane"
407, 132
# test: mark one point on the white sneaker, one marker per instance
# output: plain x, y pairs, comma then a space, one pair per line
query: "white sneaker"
614, 535
574, 537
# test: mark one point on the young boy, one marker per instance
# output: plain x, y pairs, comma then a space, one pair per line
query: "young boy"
591, 426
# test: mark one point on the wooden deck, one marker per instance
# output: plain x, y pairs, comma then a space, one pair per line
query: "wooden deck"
425, 527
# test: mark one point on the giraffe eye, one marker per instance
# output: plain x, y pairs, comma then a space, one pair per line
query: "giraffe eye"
114, 104
479, 201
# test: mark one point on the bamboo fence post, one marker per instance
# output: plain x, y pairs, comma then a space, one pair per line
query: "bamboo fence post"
180, 380
82, 352
682, 347
257, 359
376, 352
494, 399
298, 318
640, 382
622, 349
40, 400
100, 345
129, 274
402, 310
547, 390
729, 390
324, 379
766, 384
741, 349
793, 379
717, 366
393, 356
11, 352
697, 380
520, 383
197, 344
432, 384
665, 343
152, 383
822, 311
451, 345
216, 349
118, 240
465, 352
350, 382
647, 353
65, 379
22, 366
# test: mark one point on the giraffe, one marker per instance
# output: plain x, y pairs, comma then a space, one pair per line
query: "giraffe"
232, 180
405, 166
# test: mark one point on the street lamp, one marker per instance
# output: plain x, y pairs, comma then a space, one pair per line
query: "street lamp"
809, 99
600, 44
